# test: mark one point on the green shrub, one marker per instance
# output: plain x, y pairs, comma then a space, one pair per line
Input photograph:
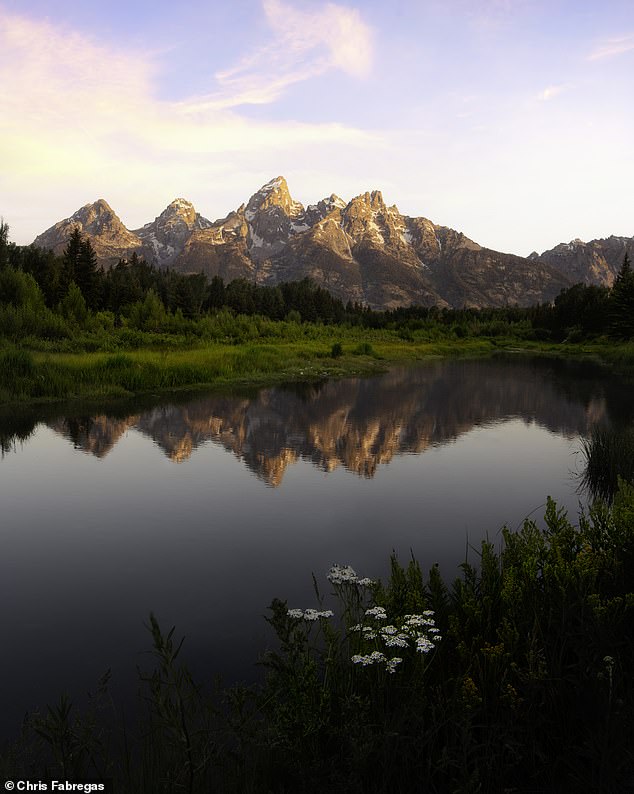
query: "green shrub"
336, 351
73, 306
15, 364
364, 349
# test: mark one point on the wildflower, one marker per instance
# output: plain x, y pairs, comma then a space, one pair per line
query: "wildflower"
365, 582
396, 640
310, 614
376, 612
420, 620
389, 630
423, 645
414, 630
342, 574
313, 614
373, 658
392, 664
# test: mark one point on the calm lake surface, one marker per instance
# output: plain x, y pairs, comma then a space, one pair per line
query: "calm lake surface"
203, 508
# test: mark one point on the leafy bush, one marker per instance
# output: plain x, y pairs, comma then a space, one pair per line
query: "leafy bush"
364, 349
336, 351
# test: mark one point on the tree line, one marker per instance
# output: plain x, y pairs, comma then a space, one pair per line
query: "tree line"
73, 285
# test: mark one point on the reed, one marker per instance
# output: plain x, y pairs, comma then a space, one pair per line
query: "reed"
609, 456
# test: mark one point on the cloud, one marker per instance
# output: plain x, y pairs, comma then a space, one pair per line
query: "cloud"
551, 91
613, 47
82, 119
304, 44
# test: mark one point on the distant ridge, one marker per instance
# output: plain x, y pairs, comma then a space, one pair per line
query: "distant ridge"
360, 250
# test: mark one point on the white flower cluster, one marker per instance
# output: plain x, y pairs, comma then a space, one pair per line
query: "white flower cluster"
309, 614
345, 574
376, 612
376, 657
418, 631
372, 658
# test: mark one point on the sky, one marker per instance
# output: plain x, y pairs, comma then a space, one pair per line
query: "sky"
509, 120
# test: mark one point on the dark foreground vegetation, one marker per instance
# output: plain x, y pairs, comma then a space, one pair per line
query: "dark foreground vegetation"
516, 677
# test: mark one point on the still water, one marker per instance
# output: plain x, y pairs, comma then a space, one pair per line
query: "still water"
203, 508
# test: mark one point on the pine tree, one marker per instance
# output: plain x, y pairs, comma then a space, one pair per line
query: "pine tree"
80, 267
71, 255
622, 302
86, 273
4, 243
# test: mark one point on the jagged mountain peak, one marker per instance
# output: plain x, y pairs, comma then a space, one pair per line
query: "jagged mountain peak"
274, 193
93, 219
334, 200
362, 250
97, 209
277, 183
178, 210
100, 205
594, 262
98, 221
179, 205
372, 199
165, 237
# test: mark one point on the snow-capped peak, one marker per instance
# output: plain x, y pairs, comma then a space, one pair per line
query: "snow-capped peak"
273, 184
181, 203
274, 194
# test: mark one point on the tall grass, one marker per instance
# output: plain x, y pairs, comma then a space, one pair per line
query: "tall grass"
172, 363
31, 376
609, 455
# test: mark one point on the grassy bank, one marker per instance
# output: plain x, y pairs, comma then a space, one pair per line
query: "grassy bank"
31, 375
514, 677
118, 367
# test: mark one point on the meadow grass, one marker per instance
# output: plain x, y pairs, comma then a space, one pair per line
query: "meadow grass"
34, 375
246, 350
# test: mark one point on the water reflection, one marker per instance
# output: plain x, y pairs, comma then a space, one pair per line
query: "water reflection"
359, 424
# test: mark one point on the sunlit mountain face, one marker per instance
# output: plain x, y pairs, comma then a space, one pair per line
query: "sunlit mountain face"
361, 250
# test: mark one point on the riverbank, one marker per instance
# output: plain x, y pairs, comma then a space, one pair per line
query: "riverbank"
164, 364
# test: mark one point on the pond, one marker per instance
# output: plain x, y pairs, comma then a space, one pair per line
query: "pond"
202, 508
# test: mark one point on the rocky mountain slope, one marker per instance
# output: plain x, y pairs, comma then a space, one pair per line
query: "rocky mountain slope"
110, 238
361, 250
596, 262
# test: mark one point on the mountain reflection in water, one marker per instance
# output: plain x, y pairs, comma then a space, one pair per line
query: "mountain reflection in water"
96, 541
359, 423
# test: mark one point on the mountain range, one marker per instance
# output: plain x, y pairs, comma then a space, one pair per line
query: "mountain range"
360, 250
